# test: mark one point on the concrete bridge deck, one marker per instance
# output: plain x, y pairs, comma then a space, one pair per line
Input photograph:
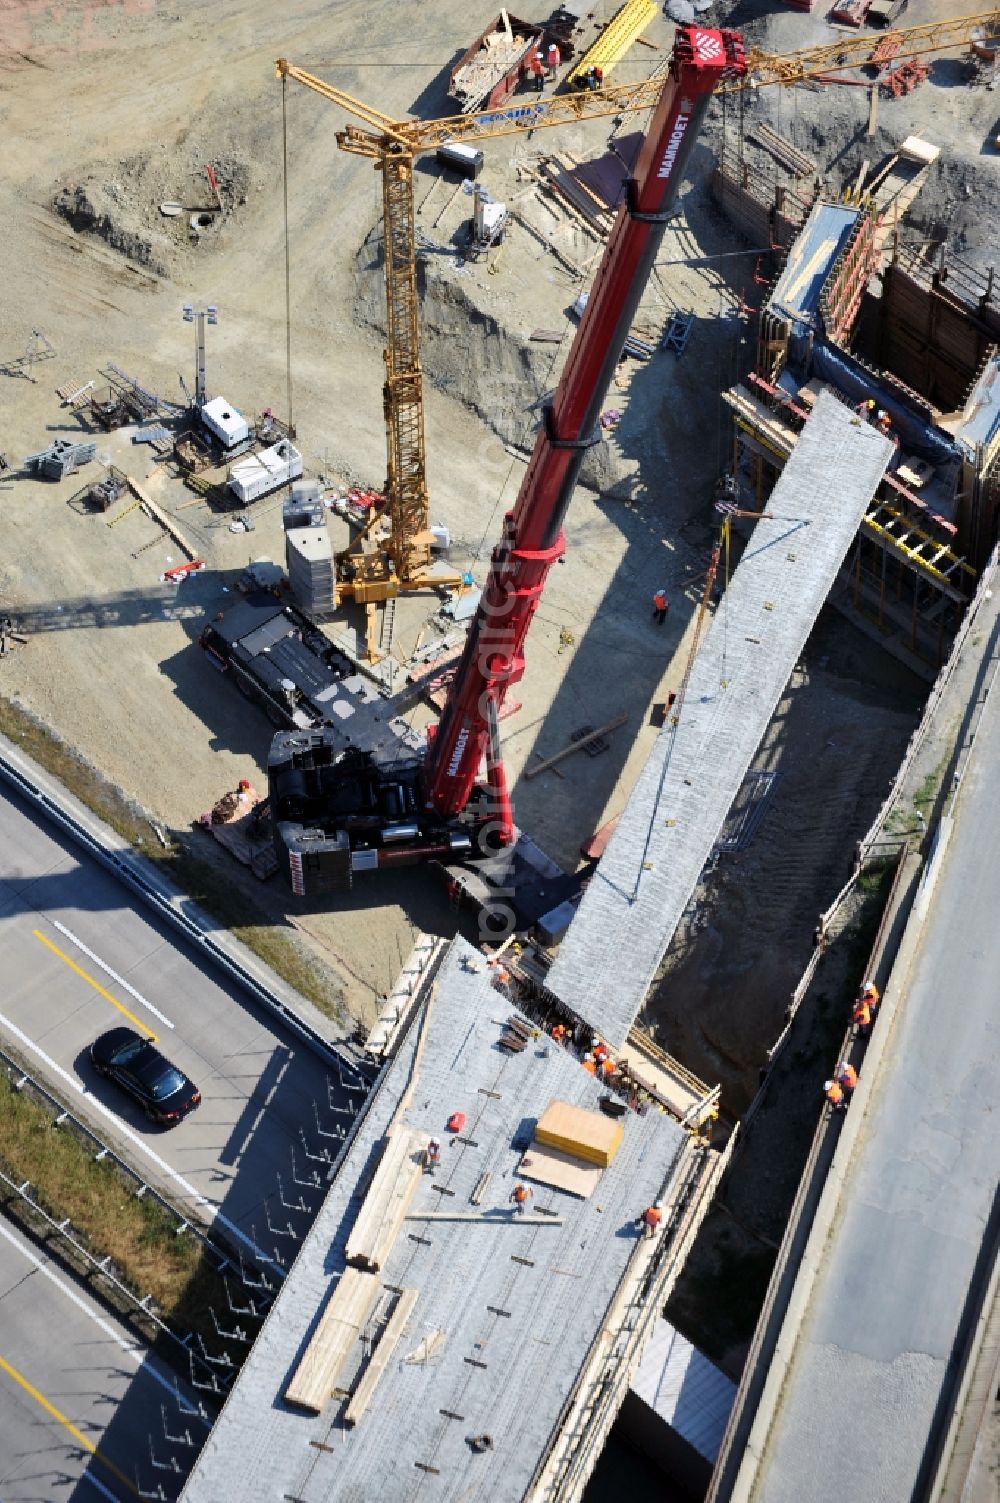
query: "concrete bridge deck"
644, 880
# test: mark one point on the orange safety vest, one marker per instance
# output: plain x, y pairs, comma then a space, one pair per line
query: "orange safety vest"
553, 55
659, 601
521, 1193
862, 1014
848, 1078
835, 1094
871, 995
590, 1065
652, 1217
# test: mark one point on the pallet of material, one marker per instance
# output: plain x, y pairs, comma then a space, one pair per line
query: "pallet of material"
334, 1340
242, 838
582, 1134
387, 1201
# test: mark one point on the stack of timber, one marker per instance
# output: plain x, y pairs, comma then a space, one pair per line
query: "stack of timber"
384, 1208
583, 204
381, 1356
334, 1340
783, 152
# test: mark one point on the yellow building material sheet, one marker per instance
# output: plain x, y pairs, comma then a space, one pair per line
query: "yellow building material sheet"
583, 1135
614, 41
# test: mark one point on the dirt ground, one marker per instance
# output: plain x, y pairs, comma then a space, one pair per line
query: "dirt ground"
109, 109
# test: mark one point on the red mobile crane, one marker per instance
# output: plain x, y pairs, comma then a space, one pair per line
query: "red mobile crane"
338, 812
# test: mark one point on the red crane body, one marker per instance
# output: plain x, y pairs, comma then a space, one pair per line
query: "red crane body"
532, 536
337, 812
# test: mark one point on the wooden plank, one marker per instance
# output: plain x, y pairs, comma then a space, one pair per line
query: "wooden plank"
339, 1328
380, 1357
491, 1218
567, 751
168, 525
388, 1199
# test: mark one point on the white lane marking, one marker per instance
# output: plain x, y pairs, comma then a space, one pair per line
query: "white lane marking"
134, 1138
133, 1349
120, 980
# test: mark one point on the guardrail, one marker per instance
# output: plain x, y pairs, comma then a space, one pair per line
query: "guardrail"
20, 1079
157, 893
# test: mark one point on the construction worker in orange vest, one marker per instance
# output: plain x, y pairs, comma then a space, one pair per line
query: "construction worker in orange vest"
834, 1093
552, 59
862, 1017
870, 993
649, 1221
661, 606
559, 1032
599, 1047
589, 1064
847, 1079
537, 66
607, 1068
519, 1196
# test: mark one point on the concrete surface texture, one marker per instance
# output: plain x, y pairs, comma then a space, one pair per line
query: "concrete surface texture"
80, 1396
645, 879
554, 1282
80, 956
898, 1277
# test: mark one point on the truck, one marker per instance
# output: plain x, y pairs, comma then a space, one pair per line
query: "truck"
337, 811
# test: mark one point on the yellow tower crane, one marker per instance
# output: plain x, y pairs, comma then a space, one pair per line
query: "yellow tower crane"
370, 574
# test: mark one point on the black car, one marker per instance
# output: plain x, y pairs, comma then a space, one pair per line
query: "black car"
164, 1092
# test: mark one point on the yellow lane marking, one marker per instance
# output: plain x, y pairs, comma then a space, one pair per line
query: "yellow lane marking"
57, 1414
95, 984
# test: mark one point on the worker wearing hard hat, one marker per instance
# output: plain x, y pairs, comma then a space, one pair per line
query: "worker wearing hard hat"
648, 1223
432, 1155
834, 1093
847, 1079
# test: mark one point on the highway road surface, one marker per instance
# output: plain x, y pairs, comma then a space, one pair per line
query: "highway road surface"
84, 1408
871, 1382
79, 955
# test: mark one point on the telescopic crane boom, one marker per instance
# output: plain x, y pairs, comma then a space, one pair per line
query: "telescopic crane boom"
336, 813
